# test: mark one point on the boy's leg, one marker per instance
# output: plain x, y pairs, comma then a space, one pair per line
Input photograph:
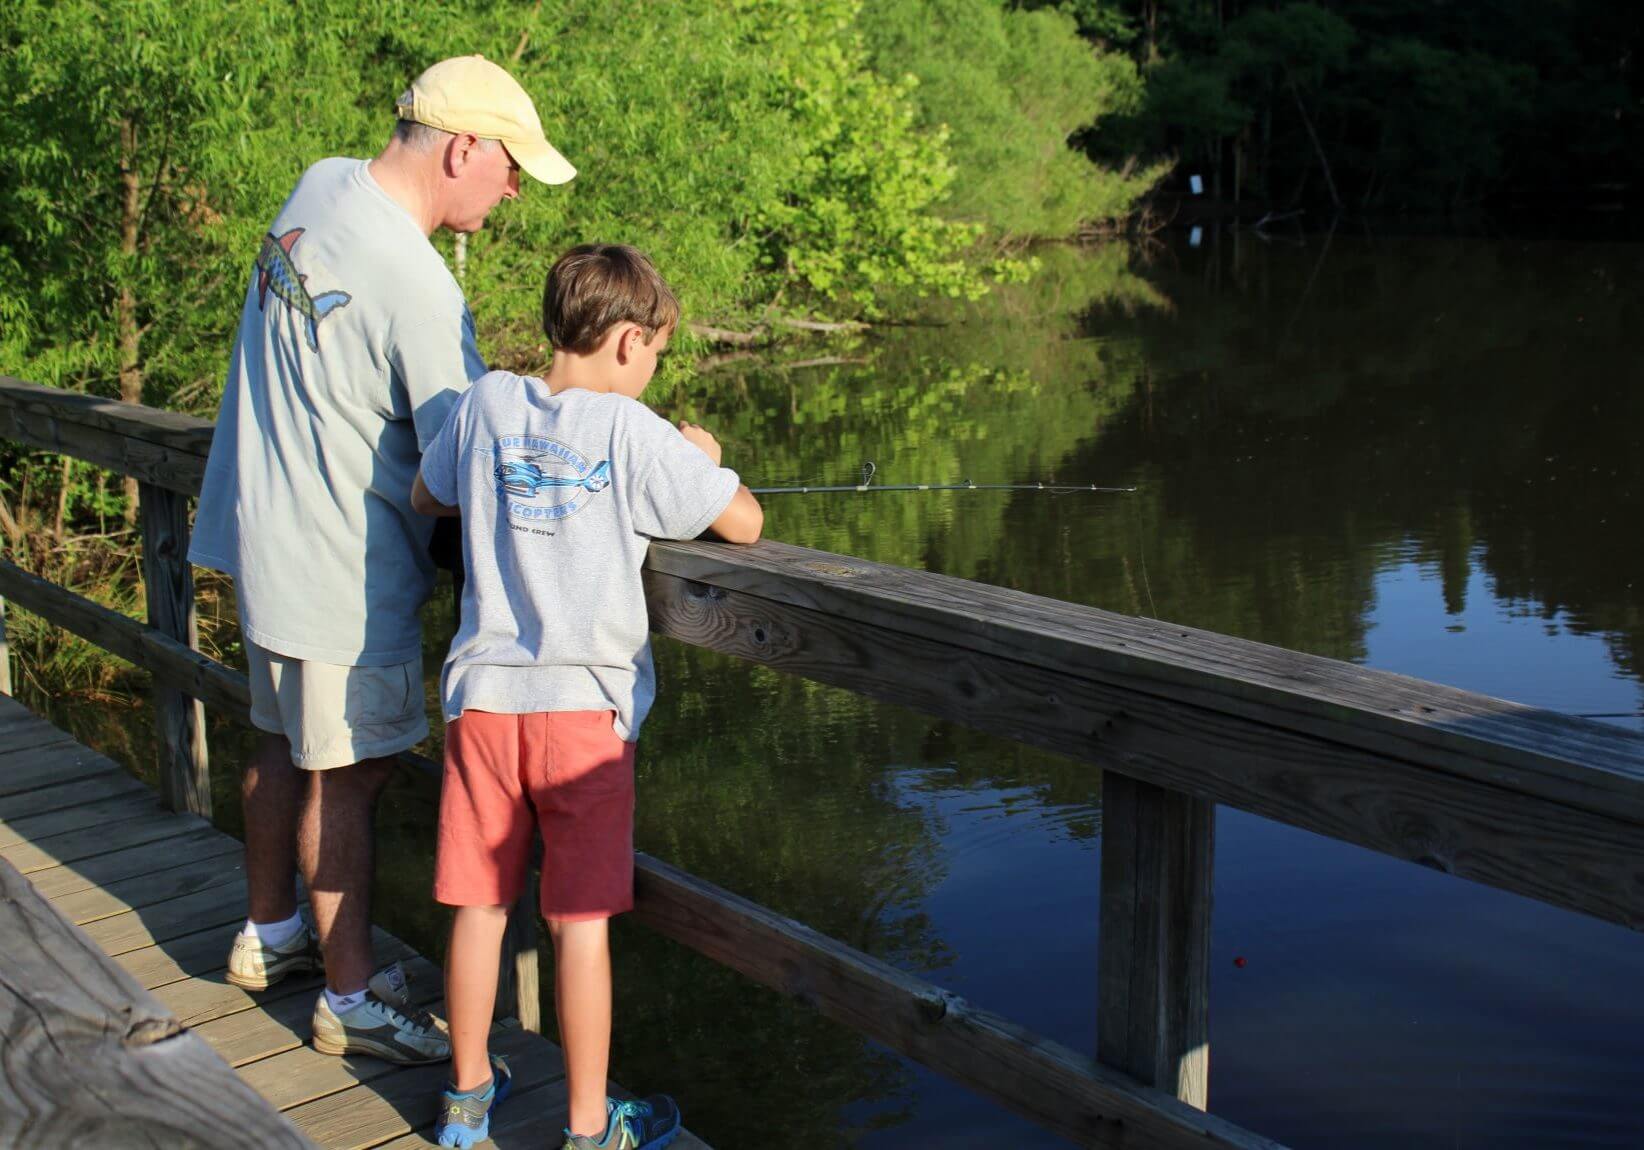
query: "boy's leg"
471, 990
483, 844
583, 789
582, 997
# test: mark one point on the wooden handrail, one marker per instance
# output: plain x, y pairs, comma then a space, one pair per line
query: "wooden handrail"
1025, 1072
1523, 799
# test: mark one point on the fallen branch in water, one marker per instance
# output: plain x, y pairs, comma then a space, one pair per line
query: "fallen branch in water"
761, 332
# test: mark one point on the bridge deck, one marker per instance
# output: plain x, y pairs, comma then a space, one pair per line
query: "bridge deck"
163, 894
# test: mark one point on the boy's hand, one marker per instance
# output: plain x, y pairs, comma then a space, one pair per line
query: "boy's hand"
701, 438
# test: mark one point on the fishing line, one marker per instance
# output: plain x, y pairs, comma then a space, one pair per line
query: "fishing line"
870, 469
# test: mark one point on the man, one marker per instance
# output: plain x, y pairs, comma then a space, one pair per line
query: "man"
353, 344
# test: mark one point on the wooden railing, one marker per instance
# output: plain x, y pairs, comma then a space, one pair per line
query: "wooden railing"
1179, 720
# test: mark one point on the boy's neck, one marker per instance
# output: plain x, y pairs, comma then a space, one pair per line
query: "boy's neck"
570, 370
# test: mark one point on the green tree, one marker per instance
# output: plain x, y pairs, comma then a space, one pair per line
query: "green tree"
1011, 87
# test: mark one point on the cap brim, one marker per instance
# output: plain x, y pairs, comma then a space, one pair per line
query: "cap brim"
541, 161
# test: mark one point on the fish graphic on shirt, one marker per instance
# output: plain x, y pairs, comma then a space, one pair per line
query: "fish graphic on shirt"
275, 270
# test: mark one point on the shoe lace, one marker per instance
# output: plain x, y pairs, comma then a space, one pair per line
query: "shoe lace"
633, 1114
417, 1019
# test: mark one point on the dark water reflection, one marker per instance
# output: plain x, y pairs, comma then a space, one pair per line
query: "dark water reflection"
1414, 454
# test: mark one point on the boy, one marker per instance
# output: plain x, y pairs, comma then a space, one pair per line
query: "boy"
561, 483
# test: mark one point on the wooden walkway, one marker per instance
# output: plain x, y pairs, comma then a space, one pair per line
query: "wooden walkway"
162, 894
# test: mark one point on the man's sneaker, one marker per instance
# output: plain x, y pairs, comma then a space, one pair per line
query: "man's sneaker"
647, 1125
255, 965
465, 1116
392, 984
378, 1028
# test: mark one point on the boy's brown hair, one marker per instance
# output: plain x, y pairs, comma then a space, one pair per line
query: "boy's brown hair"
594, 287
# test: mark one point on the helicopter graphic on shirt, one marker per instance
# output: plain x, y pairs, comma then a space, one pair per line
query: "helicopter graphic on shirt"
525, 478
540, 478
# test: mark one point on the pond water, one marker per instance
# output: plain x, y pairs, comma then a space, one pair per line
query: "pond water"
1416, 454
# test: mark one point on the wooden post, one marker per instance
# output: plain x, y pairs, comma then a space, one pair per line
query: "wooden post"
5, 653
1153, 973
185, 779
518, 989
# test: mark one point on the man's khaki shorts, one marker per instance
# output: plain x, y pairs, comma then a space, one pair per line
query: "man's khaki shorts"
335, 716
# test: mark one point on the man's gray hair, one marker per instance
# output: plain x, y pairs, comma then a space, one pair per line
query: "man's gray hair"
421, 137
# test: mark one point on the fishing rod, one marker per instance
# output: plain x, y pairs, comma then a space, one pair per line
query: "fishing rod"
868, 485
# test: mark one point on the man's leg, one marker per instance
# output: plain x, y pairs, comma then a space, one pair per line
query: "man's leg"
334, 846
271, 795
582, 997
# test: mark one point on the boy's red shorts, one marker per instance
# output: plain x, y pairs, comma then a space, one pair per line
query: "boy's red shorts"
567, 772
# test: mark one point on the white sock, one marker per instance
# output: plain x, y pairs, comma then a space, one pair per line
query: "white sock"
275, 933
343, 1003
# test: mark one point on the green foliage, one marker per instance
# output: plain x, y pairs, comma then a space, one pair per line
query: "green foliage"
1011, 87
749, 146
116, 178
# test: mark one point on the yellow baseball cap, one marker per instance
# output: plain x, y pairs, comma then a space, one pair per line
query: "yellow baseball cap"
471, 94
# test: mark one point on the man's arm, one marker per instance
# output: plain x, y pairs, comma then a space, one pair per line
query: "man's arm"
741, 521
426, 504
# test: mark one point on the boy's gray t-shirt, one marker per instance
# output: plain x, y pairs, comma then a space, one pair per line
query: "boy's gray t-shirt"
560, 497
354, 342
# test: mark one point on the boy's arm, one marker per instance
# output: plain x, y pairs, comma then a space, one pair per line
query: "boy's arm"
425, 504
743, 518
741, 521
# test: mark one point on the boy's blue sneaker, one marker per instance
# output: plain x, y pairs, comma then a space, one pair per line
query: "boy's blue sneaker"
465, 1115
647, 1125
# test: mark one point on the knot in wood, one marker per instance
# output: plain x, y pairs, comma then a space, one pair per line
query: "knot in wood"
147, 1031
933, 1007
707, 591
823, 567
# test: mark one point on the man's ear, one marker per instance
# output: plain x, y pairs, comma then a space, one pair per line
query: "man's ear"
625, 343
458, 151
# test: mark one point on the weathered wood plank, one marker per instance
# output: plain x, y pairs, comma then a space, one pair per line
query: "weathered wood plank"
94, 813
135, 929
1584, 764
84, 874
48, 763
302, 1074
146, 890
1153, 972
1519, 842
282, 1024
76, 845
93, 788
68, 1015
12, 711
185, 778
1039, 1079
165, 448
19, 740
399, 1103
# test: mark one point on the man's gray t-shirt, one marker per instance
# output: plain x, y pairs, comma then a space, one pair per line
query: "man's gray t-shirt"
560, 497
354, 343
